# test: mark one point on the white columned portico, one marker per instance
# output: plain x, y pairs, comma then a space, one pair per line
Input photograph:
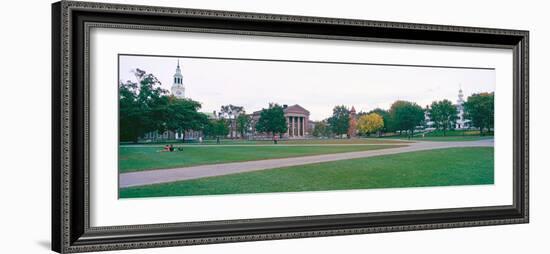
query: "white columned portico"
293, 125
296, 120
304, 122
300, 126
303, 126
297, 126
288, 126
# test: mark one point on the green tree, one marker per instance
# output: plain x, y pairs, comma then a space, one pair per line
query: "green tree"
141, 106
244, 122
480, 109
145, 107
272, 120
231, 112
216, 128
443, 114
321, 129
385, 117
339, 121
406, 116
129, 112
182, 115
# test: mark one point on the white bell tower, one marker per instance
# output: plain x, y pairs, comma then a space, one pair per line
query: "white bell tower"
460, 122
178, 89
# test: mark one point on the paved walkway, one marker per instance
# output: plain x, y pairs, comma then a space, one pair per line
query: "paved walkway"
179, 174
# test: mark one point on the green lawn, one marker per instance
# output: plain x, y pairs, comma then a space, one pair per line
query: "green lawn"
443, 167
454, 135
451, 138
450, 135
137, 158
439, 133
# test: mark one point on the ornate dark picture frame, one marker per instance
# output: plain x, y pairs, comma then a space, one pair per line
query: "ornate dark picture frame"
71, 22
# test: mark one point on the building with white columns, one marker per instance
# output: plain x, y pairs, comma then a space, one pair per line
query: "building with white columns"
297, 120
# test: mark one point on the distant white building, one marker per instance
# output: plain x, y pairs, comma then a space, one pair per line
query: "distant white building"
461, 121
428, 123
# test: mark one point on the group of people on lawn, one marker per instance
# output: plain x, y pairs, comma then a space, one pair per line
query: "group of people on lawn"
170, 148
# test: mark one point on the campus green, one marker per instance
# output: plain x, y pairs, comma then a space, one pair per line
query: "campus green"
137, 158
441, 167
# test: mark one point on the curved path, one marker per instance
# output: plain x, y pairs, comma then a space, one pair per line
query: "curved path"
187, 173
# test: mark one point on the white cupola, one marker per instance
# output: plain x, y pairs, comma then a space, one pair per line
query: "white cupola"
178, 89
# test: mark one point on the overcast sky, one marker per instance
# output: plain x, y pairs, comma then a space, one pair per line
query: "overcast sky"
318, 87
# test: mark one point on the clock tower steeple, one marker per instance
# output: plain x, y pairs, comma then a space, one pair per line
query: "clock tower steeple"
178, 89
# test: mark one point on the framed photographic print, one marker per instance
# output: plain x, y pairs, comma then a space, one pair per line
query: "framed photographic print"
181, 126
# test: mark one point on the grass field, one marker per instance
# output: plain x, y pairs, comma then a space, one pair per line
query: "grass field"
450, 135
451, 138
443, 167
137, 158
440, 133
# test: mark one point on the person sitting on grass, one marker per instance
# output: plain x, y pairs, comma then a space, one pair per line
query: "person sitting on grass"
171, 148
166, 149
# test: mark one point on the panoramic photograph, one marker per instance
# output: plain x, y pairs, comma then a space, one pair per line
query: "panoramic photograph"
211, 126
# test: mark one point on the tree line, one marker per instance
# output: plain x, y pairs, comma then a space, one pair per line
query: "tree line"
403, 117
145, 107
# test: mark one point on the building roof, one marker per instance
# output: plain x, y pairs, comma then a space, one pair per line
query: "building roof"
296, 109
